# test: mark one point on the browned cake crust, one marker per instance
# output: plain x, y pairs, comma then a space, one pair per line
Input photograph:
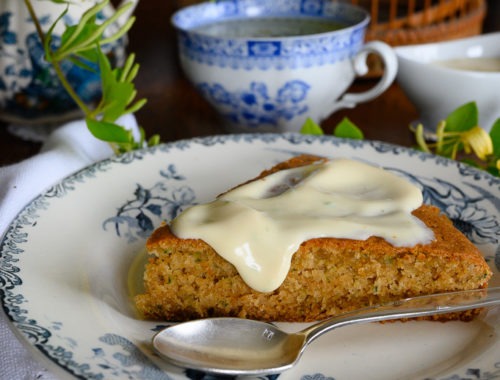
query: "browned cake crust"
186, 279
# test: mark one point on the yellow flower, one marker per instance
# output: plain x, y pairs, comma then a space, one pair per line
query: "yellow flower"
477, 140
419, 136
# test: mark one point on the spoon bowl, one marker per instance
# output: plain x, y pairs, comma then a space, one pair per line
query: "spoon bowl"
235, 346
229, 346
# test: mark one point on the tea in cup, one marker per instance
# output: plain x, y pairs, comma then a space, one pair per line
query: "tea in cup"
267, 66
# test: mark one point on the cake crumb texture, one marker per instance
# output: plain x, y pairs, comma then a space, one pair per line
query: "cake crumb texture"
186, 279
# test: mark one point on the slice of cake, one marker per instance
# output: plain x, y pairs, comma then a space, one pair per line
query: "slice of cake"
404, 248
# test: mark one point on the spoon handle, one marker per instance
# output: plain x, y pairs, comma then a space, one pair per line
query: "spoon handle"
409, 308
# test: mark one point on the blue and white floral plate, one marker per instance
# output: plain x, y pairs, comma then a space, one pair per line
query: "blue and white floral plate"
65, 262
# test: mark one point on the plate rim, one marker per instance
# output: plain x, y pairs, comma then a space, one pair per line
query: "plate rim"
166, 148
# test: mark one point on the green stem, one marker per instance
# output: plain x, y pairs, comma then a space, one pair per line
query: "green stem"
55, 63
38, 27
419, 135
71, 92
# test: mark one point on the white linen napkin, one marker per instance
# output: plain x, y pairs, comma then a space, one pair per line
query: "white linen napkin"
67, 149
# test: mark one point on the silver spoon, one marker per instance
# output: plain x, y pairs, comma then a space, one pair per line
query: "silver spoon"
235, 346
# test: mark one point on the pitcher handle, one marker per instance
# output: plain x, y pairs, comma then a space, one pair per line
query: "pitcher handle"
349, 100
126, 15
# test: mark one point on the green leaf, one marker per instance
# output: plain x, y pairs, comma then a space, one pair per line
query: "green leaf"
48, 36
81, 44
493, 171
310, 127
109, 132
495, 138
121, 32
346, 128
62, 1
90, 55
88, 32
471, 162
463, 118
84, 63
73, 37
136, 106
117, 95
86, 22
154, 140
101, 28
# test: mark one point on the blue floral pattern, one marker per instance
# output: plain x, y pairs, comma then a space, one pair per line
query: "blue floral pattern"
316, 376
255, 107
129, 362
29, 87
469, 196
469, 214
136, 219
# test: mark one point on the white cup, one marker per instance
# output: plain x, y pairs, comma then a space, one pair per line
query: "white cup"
436, 89
274, 82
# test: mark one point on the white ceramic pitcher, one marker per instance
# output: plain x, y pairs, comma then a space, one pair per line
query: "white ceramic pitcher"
30, 92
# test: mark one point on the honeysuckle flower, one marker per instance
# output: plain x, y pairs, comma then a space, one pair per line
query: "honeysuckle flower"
420, 138
440, 134
474, 140
477, 140
458, 133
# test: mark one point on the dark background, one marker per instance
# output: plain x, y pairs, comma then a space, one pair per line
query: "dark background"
176, 111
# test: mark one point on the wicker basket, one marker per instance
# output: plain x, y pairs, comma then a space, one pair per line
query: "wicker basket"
406, 22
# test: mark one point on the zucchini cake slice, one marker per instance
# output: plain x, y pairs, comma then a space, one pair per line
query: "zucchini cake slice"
325, 274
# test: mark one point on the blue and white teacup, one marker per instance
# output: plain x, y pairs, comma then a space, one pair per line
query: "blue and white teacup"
30, 91
269, 65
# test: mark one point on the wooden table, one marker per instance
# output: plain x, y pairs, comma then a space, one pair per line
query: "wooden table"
176, 111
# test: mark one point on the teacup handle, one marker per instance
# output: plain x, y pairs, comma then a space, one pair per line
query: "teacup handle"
349, 100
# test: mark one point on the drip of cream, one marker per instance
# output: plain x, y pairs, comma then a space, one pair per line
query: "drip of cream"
260, 225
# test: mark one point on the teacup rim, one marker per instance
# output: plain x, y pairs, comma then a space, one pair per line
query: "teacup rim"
456, 41
409, 53
348, 29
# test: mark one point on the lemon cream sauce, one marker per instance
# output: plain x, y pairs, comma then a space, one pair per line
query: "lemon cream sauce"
258, 226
